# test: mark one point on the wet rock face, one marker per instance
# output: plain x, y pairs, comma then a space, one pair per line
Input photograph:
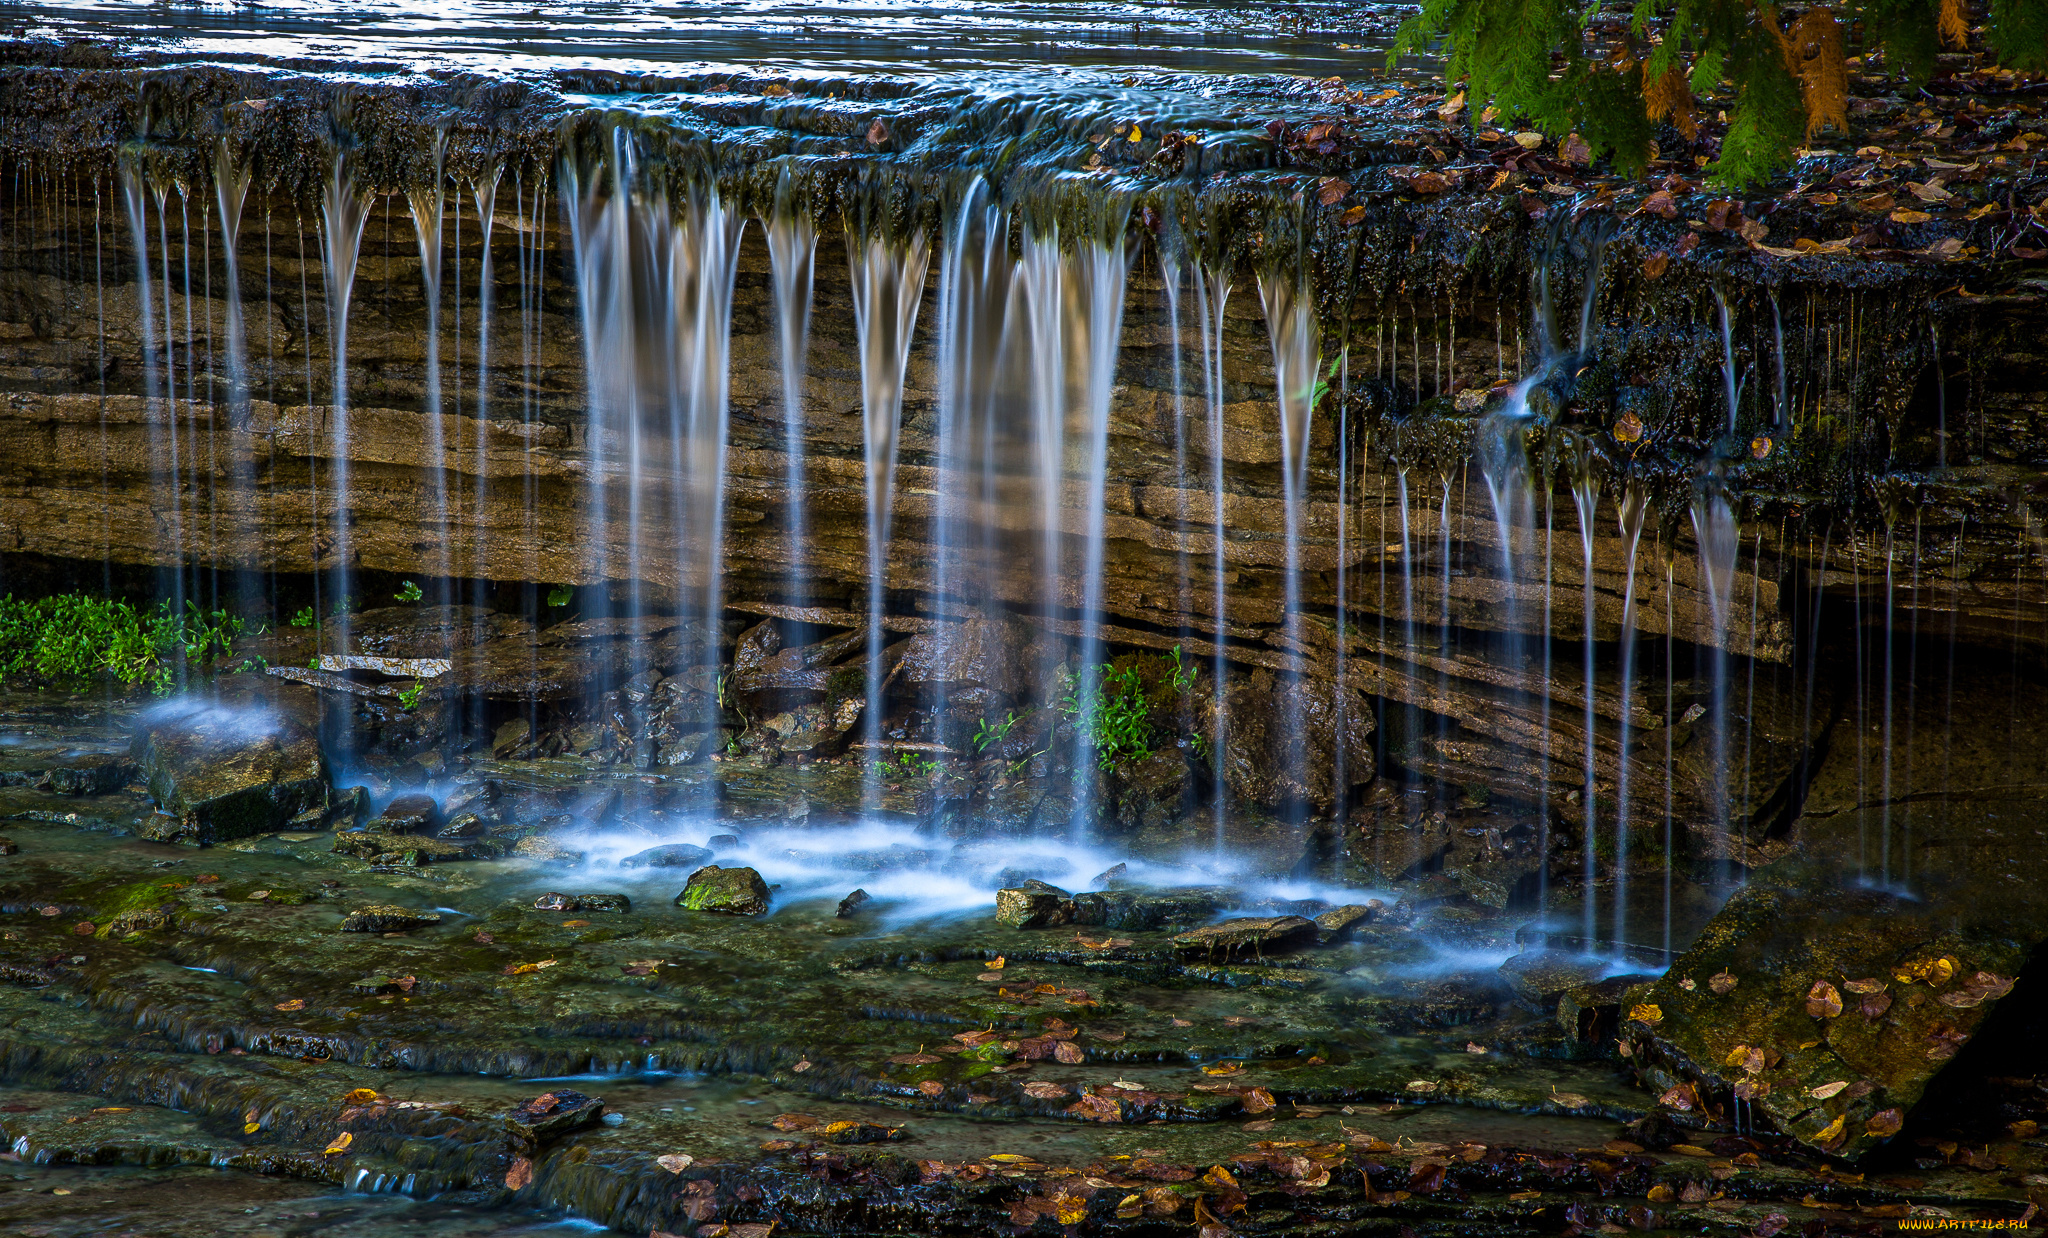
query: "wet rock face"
1281, 740
727, 891
668, 855
230, 767
1247, 938
1033, 904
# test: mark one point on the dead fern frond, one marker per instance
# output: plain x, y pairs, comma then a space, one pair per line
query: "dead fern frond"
1955, 25
1815, 43
1671, 96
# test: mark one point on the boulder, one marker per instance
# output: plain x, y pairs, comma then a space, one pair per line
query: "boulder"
384, 918
1339, 921
1250, 937
1539, 977
1153, 793
1830, 1010
853, 903
511, 737
408, 814
1033, 904
728, 891
668, 855
226, 768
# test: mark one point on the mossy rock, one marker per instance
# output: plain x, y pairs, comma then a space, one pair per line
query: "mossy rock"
383, 918
727, 891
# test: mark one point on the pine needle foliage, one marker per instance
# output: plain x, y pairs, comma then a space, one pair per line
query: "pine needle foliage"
1542, 62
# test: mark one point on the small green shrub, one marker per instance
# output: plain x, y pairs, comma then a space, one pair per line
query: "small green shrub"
303, 618
409, 592
984, 734
70, 637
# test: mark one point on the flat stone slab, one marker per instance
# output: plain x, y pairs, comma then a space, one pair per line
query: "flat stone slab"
1248, 937
384, 918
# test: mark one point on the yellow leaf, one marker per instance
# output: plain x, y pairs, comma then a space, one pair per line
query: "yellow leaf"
1831, 1132
1736, 1055
1646, 1012
360, 1096
341, 1143
292, 1005
250, 1128
1137, 134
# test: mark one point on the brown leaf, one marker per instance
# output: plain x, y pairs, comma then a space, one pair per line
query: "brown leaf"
84, 928
1869, 985
1724, 214
1661, 204
1822, 1001
295, 1004
1628, 428
1875, 1004
340, 1144
1333, 191
1352, 217
916, 1059
1428, 182
1905, 216
1655, 265
1885, 1123
675, 1162
1069, 1053
794, 1122
975, 1040
1039, 1089
878, 133
1722, 983
1258, 1100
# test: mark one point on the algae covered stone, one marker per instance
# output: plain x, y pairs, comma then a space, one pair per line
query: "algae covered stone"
384, 918
1033, 904
728, 891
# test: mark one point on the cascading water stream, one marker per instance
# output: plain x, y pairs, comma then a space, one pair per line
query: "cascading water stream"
429, 207
344, 209
888, 284
792, 236
1715, 533
1585, 485
1291, 329
1212, 296
1635, 510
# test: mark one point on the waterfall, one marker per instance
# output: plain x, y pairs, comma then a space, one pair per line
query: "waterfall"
344, 209
428, 206
792, 254
888, 285
1713, 521
976, 277
1212, 296
161, 419
1586, 497
1635, 509
484, 191
1291, 329
655, 282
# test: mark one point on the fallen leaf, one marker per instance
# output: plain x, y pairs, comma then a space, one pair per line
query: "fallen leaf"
84, 928
1904, 216
1523, 1197
1662, 1194
1069, 1053
1628, 428
1826, 1090
998, 963
1039, 1089
675, 1162
360, 1096
294, 1004
340, 1143
519, 1175
1333, 191
1832, 1132
1352, 217
801, 1067
1822, 1001
1869, 985
1661, 204
250, 1128
1224, 1068
523, 969
1647, 1013
1421, 1085
1884, 1124
1722, 983
919, 1058
1571, 1100
1760, 446
1258, 1100
794, 1122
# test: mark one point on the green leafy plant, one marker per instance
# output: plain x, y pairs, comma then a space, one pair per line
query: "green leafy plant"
409, 592
73, 637
1549, 63
984, 734
1119, 727
344, 604
409, 698
560, 595
302, 618
1183, 674
907, 765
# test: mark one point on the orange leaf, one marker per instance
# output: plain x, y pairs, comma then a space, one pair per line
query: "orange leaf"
519, 1175
292, 1005
340, 1144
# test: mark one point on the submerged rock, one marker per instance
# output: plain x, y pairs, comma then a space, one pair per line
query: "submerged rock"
550, 1116
408, 814
1033, 904
853, 903
380, 848
384, 918
728, 891
668, 855
1251, 937
610, 903
1338, 921
228, 768
1145, 909
8, 846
